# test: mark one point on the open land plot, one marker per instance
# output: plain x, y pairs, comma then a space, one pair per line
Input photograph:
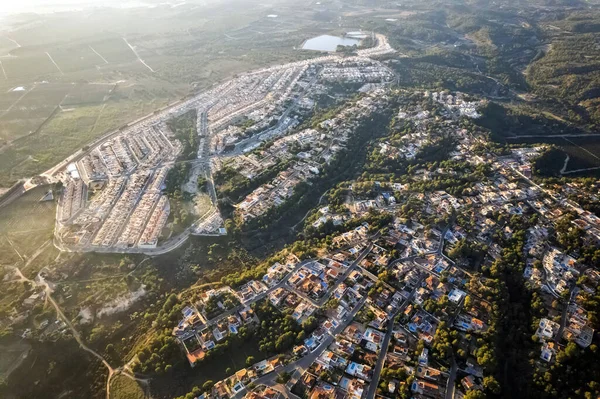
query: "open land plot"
203, 204
95, 292
11, 297
27, 214
34, 243
8, 256
87, 285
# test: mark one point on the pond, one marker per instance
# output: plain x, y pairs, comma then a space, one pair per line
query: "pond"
328, 43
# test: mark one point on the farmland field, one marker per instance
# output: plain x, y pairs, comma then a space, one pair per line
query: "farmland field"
86, 94
75, 58
31, 110
28, 66
114, 50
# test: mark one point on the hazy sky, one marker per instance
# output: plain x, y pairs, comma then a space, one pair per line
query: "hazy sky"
45, 6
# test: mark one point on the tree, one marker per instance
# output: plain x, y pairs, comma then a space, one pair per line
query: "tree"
472, 394
310, 324
208, 385
468, 301
285, 341
490, 384
284, 377
250, 361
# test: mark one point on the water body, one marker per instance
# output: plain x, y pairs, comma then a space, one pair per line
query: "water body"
328, 43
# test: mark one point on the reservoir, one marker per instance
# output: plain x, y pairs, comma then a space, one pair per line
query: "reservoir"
328, 43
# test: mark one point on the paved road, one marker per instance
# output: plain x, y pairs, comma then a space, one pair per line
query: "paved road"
563, 317
450, 387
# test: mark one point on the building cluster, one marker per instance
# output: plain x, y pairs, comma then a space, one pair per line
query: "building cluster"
457, 103
355, 70
366, 323
72, 200
437, 288
384, 298
126, 176
326, 216
276, 192
125, 214
306, 153
129, 212
257, 96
